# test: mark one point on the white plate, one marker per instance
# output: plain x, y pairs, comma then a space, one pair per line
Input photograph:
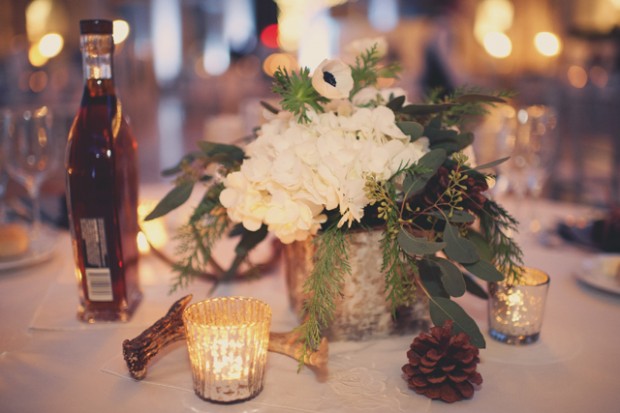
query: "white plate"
40, 249
600, 272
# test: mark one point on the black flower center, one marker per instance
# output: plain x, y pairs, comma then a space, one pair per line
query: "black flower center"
329, 78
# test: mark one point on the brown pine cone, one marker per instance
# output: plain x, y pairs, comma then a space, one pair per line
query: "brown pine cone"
442, 365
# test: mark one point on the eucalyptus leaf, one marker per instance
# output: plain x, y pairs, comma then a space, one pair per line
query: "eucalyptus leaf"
173, 199
458, 248
190, 157
484, 270
269, 107
426, 109
442, 309
249, 240
220, 150
474, 288
414, 246
412, 129
492, 164
478, 97
433, 160
430, 276
451, 277
396, 104
482, 245
414, 183
458, 217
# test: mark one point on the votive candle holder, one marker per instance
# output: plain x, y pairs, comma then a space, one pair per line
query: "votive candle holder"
516, 308
227, 340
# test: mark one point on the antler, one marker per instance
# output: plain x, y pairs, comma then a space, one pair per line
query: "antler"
168, 329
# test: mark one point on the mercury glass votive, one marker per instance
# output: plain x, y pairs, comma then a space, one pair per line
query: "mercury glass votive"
516, 309
227, 340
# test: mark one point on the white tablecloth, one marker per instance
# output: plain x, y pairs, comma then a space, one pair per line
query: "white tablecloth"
49, 362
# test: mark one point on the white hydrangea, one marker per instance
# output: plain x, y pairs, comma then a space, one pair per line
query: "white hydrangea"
295, 172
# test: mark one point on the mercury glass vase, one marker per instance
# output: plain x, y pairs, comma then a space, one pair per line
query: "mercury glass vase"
227, 340
363, 312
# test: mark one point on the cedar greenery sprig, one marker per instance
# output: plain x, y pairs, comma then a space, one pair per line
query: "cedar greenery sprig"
466, 102
331, 264
367, 69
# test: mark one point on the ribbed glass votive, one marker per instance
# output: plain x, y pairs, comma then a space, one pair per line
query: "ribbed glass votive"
227, 340
516, 310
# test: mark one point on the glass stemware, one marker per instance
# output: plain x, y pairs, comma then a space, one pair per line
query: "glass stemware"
30, 152
538, 146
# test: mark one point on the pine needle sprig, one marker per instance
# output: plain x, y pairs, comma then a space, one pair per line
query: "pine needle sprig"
464, 110
323, 286
297, 93
497, 227
367, 69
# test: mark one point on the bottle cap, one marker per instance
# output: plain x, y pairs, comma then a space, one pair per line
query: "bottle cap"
97, 26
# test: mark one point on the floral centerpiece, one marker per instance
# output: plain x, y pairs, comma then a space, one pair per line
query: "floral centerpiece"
341, 154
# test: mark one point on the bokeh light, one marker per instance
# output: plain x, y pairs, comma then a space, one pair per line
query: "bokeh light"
497, 45
547, 44
577, 76
120, 30
50, 45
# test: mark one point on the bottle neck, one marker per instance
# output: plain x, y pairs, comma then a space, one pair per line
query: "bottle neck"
97, 52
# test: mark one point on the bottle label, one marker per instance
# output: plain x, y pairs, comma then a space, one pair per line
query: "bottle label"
97, 271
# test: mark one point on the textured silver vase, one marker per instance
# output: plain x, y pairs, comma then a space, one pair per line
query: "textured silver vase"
363, 312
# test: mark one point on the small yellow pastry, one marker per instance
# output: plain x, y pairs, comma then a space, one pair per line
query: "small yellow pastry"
13, 240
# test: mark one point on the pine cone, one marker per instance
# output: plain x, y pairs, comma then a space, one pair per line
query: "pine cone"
442, 365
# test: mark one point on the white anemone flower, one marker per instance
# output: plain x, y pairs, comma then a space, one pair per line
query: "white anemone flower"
332, 79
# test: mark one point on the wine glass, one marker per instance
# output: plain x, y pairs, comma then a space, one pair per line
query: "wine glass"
30, 152
536, 150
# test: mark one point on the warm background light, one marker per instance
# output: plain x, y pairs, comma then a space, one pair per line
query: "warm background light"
50, 45
121, 31
275, 60
492, 16
547, 44
577, 76
497, 45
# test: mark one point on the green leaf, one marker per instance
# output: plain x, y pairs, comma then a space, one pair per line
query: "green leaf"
396, 104
433, 160
269, 107
451, 277
492, 164
442, 309
414, 246
458, 248
484, 270
482, 245
173, 199
426, 109
249, 240
430, 275
458, 217
412, 129
476, 97
474, 288
189, 158
220, 150
414, 183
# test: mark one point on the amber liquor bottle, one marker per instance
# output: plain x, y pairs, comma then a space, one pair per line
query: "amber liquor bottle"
102, 188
